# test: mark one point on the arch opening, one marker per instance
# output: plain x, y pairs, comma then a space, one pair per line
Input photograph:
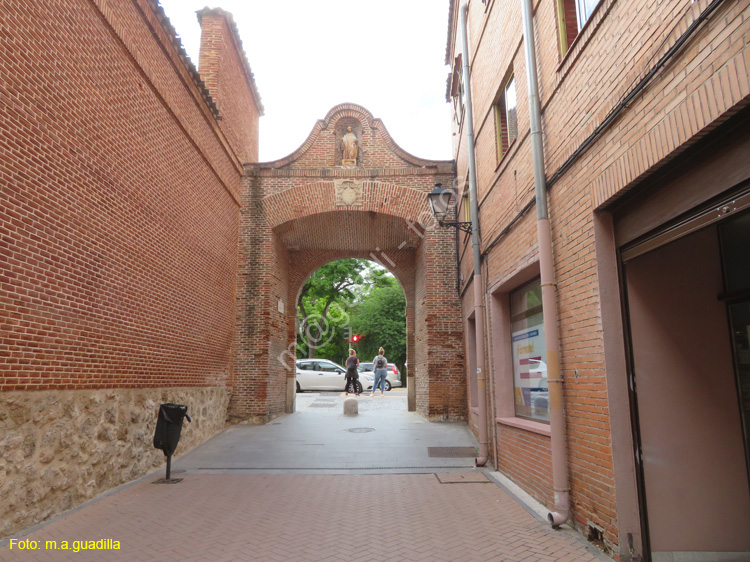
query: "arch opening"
350, 304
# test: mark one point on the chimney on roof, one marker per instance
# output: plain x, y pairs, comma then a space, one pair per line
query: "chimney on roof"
227, 75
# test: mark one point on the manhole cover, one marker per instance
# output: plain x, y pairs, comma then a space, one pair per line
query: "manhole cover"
361, 429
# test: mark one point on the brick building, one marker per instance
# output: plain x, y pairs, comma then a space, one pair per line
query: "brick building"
147, 257
119, 215
646, 156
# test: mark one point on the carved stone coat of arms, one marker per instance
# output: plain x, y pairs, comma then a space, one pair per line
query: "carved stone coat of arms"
348, 193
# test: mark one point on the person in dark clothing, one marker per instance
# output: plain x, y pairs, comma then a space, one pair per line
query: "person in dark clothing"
352, 375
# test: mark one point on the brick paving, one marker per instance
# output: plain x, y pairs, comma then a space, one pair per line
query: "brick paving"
282, 517
430, 513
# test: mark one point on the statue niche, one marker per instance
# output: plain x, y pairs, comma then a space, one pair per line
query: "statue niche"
349, 147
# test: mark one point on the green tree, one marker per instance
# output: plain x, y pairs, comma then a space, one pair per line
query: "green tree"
323, 307
379, 317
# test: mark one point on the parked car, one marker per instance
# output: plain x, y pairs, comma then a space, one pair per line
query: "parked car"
322, 374
392, 378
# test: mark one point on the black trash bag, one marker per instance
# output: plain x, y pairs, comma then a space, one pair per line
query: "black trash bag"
169, 427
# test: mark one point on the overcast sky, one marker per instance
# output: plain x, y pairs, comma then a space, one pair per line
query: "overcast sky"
310, 55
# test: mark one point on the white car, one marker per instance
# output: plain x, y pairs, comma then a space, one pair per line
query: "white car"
322, 374
392, 378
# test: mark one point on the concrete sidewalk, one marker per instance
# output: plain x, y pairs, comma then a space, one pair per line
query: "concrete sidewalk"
288, 491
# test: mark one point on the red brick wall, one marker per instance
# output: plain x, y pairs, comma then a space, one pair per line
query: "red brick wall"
230, 81
118, 209
707, 83
440, 330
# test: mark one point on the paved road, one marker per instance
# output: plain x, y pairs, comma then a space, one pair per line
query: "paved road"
306, 487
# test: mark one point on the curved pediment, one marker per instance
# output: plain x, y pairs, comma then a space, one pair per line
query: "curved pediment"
327, 145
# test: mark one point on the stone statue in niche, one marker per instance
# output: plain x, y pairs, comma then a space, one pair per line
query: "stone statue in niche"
349, 148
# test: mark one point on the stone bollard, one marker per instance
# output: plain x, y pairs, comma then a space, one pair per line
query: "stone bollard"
351, 407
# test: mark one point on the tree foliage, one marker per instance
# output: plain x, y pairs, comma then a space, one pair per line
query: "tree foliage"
356, 295
379, 317
323, 304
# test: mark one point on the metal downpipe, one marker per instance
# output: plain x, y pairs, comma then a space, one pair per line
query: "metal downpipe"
549, 285
481, 460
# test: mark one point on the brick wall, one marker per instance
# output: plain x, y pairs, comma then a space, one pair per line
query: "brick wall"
292, 201
119, 214
119, 219
705, 85
230, 81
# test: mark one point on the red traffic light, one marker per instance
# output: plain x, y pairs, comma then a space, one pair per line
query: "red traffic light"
355, 338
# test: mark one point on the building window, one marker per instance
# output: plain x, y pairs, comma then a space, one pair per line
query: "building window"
572, 15
467, 207
510, 110
584, 9
506, 120
456, 90
529, 354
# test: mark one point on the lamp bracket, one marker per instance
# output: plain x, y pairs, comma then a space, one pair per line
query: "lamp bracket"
462, 226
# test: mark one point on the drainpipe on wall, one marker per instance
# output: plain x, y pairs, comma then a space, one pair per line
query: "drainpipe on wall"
481, 460
549, 285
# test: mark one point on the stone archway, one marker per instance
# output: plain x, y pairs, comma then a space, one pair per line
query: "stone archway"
307, 209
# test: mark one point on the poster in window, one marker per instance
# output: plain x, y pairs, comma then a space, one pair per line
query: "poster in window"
530, 370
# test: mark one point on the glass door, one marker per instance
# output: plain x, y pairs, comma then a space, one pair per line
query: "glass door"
735, 245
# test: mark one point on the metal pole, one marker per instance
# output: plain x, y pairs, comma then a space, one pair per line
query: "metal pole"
548, 282
481, 460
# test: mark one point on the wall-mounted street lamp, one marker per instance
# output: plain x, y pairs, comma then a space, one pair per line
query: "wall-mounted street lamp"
441, 203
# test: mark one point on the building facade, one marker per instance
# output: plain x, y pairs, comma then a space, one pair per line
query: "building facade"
316, 206
119, 215
645, 156
147, 257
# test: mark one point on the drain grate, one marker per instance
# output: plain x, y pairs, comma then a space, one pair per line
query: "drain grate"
451, 452
318, 405
361, 429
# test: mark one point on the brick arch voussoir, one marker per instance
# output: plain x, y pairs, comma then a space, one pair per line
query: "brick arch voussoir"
319, 197
349, 110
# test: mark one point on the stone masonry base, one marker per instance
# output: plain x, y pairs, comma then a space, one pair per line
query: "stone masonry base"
59, 449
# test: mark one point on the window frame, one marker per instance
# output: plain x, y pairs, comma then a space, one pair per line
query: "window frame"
569, 22
511, 80
503, 142
457, 90
582, 4
530, 336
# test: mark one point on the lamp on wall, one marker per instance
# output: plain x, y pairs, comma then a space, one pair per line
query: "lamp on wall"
441, 203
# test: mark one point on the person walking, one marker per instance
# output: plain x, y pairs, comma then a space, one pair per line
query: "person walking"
380, 363
352, 375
